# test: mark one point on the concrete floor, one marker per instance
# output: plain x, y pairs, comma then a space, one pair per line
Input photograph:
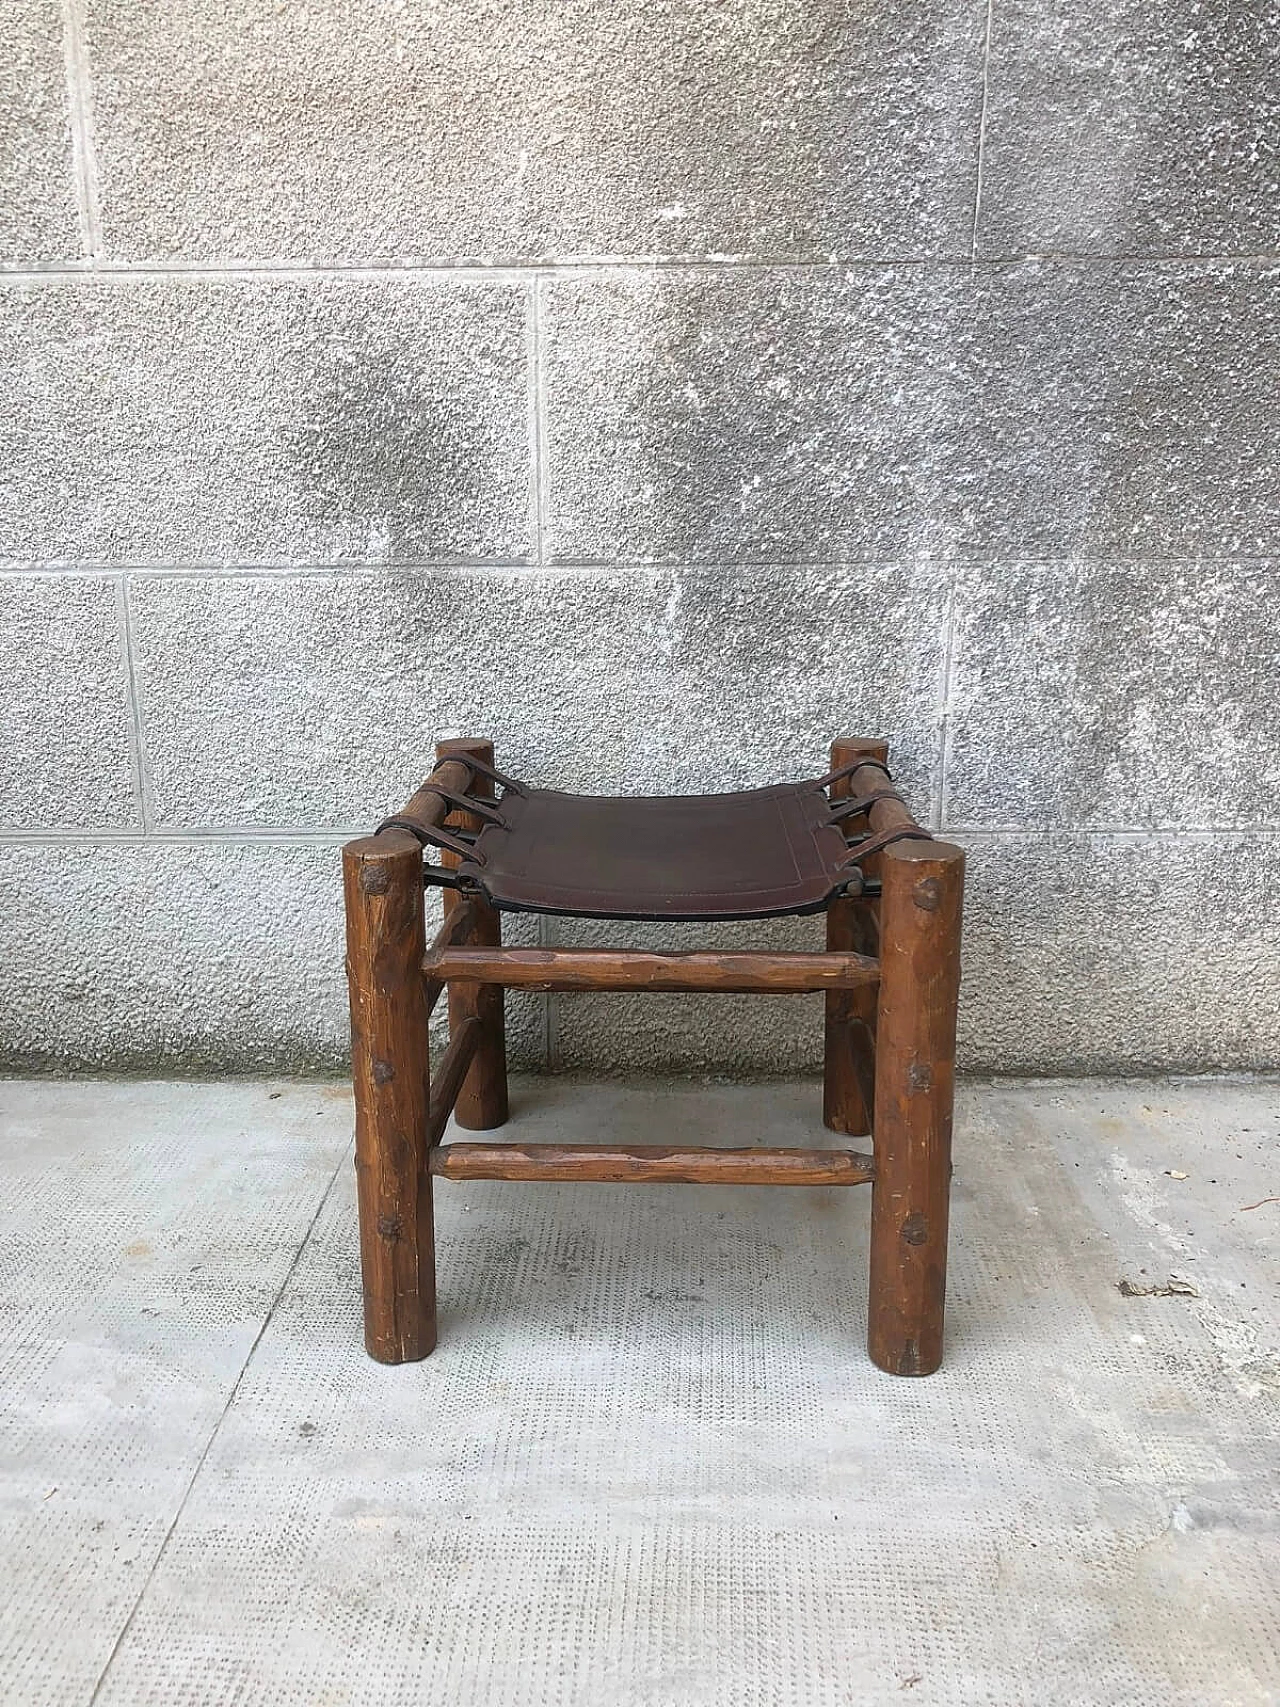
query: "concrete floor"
649, 1463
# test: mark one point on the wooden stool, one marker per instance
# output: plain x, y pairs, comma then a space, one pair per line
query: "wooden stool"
890, 974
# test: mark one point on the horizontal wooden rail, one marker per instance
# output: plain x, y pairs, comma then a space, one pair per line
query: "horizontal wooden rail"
627, 969
428, 807
447, 1081
881, 815
879, 819
650, 1163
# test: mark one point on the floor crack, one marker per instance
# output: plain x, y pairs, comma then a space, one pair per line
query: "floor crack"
119, 1642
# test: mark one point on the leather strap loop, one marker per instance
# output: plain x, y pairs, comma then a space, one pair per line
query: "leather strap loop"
851, 808
848, 770
431, 835
478, 766
441, 877
467, 803
873, 844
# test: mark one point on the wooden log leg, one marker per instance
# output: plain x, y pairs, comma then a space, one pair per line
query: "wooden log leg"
482, 1101
915, 1081
390, 1069
849, 1048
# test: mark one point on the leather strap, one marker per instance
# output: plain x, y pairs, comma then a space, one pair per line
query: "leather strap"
432, 835
848, 770
852, 807
479, 767
467, 802
873, 844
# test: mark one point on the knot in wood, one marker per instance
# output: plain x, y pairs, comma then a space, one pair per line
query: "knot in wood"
927, 894
915, 1229
383, 1072
920, 1076
374, 880
390, 1227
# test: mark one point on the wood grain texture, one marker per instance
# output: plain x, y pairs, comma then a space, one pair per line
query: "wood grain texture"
390, 1070
650, 1164
482, 1098
427, 807
459, 922
848, 1077
448, 1078
915, 1086
631, 969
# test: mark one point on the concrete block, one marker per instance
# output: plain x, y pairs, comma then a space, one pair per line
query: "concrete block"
772, 664
1121, 954
492, 132
1117, 411
214, 956
1083, 954
264, 420
211, 957
316, 700
1117, 128
64, 714
1115, 695
761, 416
38, 214
1038, 410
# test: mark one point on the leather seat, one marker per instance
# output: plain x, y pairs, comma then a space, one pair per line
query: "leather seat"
748, 855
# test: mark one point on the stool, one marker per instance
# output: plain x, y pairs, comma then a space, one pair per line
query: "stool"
844, 844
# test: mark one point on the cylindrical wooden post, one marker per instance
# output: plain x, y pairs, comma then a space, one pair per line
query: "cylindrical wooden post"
849, 1049
915, 1082
482, 1101
390, 1069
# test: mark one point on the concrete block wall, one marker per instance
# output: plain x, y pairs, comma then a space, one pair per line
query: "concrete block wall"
662, 389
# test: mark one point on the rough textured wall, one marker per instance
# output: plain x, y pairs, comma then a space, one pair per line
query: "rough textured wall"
663, 389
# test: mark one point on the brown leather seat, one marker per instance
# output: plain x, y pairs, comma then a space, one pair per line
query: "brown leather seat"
756, 854
692, 856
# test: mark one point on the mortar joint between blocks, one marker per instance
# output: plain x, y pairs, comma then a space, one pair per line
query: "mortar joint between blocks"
84, 167
946, 717
537, 422
982, 128
144, 792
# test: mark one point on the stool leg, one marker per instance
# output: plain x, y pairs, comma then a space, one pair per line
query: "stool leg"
390, 1071
915, 1083
849, 1046
482, 1101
